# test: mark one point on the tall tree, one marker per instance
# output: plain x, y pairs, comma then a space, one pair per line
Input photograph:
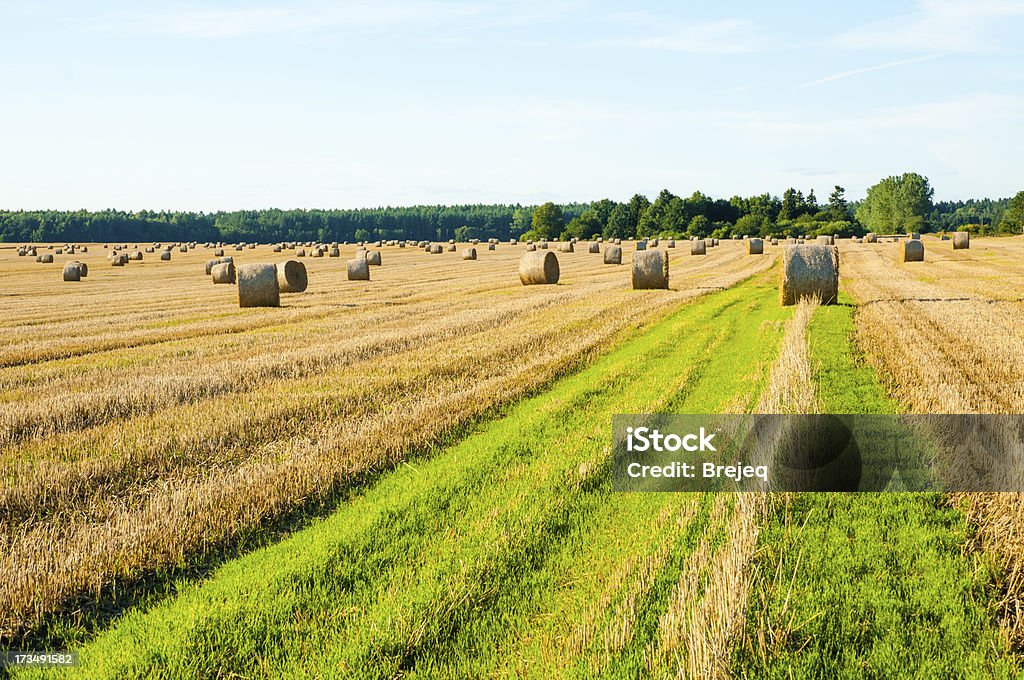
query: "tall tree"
547, 221
838, 208
899, 203
1013, 217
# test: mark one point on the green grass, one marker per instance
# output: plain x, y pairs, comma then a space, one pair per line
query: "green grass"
466, 562
872, 585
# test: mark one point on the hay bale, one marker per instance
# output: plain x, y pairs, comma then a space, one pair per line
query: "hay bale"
870, 237
490, 246
358, 269
149, 249
914, 236
594, 247
641, 245
612, 254
531, 247
452, 247
59, 251
373, 258
401, 244
671, 243
755, 246
137, 255
277, 249
698, 248
911, 250
257, 286
809, 270
511, 241
317, 253
72, 272
650, 269
291, 277
165, 255
961, 240
618, 241
469, 254
335, 252
543, 245
537, 268
825, 240
223, 272
301, 252
436, 249
119, 260
46, 258
565, 247
774, 241
183, 249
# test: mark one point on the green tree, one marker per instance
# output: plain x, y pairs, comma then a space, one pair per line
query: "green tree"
791, 204
618, 225
1013, 217
700, 226
899, 203
547, 221
838, 208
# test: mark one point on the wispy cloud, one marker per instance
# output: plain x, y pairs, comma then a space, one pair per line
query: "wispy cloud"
869, 69
935, 25
721, 36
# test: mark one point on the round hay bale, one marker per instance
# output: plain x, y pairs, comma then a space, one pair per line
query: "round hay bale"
511, 241
452, 247
72, 272
870, 237
710, 242
436, 249
911, 250
401, 244
755, 246
335, 252
119, 260
961, 240
653, 243
565, 247
537, 268
165, 255
641, 245
137, 255
223, 272
301, 252
150, 249
531, 247
671, 243
277, 249
650, 269
358, 270
257, 286
183, 249
59, 251
291, 277
612, 254
698, 248
809, 270
825, 240
469, 254
618, 241
218, 252
914, 235
373, 258
317, 253
46, 258
543, 245
594, 247
490, 246
774, 241
83, 268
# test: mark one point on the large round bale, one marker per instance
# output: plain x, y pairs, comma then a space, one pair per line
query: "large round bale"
809, 270
317, 253
373, 258
538, 268
612, 254
83, 268
358, 269
165, 255
72, 271
291, 277
911, 250
224, 272
755, 246
594, 247
257, 286
961, 240
698, 248
650, 269
469, 254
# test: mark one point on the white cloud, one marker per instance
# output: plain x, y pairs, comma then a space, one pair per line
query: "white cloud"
722, 36
936, 25
868, 69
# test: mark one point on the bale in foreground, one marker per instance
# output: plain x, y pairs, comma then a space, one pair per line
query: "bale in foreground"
911, 250
257, 286
223, 272
961, 240
358, 269
538, 267
809, 270
650, 269
72, 272
291, 277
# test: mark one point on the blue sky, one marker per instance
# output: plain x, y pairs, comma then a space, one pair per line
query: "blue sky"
227, 105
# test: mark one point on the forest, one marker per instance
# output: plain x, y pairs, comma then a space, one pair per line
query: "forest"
894, 205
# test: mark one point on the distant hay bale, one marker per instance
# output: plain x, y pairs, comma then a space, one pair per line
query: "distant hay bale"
137, 255
277, 249
291, 277
257, 286
183, 249
511, 241
870, 237
698, 248
594, 247
317, 253
401, 244
239, 247
436, 249
543, 245
641, 245
618, 241
807, 271
825, 240
911, 250
491, 246
650, 269
774, 241
373, 258
961, 240
565, 247
252, 246
118, 260
46, 258
469, 254
150, 249
755, 246
710, 242
914, 235
612, 254
671, 243
301, 252
358, 270
223, 272
165, 255
218, 252
59, 251
452, 247
531, 247
335, 252
538, 268
72, 271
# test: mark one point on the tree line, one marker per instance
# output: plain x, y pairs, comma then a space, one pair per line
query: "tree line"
894, 205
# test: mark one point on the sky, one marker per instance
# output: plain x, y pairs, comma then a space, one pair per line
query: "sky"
312, 104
